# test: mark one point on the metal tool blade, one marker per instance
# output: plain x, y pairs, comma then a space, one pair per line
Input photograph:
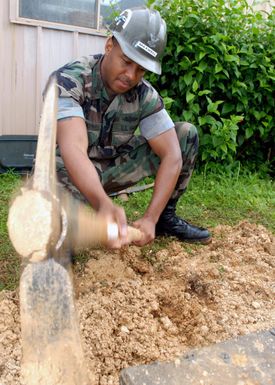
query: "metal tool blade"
52, 351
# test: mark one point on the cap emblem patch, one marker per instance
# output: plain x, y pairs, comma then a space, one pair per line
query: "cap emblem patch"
146, 48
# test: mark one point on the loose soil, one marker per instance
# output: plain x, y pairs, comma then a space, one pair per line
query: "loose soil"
137, 305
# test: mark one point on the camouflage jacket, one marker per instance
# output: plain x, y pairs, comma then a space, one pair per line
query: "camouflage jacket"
111, 123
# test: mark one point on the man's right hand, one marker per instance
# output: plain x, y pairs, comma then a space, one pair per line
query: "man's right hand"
115, 214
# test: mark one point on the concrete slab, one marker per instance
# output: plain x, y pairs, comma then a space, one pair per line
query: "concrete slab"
247, 360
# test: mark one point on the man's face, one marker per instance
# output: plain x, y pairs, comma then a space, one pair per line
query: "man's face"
119, 73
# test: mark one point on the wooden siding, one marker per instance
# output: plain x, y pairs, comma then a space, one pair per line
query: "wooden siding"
28, 55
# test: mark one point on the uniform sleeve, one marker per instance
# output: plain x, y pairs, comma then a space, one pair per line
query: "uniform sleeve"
154, 118
71, 79
68, 108
155, 124
150, 100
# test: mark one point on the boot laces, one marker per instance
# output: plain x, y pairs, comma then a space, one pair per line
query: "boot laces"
175, 220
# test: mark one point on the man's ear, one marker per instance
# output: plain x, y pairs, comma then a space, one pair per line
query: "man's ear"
108, 45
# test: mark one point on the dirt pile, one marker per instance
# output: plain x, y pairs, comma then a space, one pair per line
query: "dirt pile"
141, 305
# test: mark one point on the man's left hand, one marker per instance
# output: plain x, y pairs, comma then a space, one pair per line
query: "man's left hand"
147, 226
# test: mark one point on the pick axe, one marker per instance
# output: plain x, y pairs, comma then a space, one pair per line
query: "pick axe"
44, 224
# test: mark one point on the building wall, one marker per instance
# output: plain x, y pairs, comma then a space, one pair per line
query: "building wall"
262, 5
28, 55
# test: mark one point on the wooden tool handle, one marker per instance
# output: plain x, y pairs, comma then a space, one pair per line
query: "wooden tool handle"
91, 229
134, 234
35, 227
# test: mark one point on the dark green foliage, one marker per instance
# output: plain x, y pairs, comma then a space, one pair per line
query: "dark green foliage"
218, 73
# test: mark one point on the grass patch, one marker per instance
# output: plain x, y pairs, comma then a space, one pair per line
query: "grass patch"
217, 198
211, 199
9, 261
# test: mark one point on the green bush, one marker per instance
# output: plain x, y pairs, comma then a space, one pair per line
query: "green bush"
218, 73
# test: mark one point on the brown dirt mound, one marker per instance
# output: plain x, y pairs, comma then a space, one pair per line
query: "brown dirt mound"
136, 307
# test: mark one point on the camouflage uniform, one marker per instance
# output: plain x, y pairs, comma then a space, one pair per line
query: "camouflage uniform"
120, 156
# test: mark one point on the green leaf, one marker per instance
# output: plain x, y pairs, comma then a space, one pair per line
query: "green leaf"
188, 78
201, 55
189, 96
182, 85
213, 107
207, 119
242, 84
231, 58
227, 107
259, 114
223, 147
204, 155
168, 102
218, 68
196, 108
232, 146
179, 48
217, 141
240, 107
248, 132
195, 86
202, 66
206, 139
187, 116
185, 63
163, 93
204, 92
226, 73
261, 129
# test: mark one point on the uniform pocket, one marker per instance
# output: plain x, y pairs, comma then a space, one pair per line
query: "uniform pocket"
123, 132
93, 132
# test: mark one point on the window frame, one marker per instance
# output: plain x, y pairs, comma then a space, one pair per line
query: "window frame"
17, 19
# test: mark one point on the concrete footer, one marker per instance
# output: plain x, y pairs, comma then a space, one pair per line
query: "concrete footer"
246, 360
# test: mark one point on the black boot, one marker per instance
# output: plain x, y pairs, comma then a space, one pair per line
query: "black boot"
172, 225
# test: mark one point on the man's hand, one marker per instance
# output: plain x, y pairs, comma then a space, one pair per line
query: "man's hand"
115, 214
147, 227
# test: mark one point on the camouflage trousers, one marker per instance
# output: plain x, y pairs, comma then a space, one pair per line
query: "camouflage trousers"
139, 162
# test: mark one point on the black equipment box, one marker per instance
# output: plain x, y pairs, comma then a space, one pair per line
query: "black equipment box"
17, 152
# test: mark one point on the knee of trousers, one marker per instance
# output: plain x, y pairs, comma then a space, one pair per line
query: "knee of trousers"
188, 135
